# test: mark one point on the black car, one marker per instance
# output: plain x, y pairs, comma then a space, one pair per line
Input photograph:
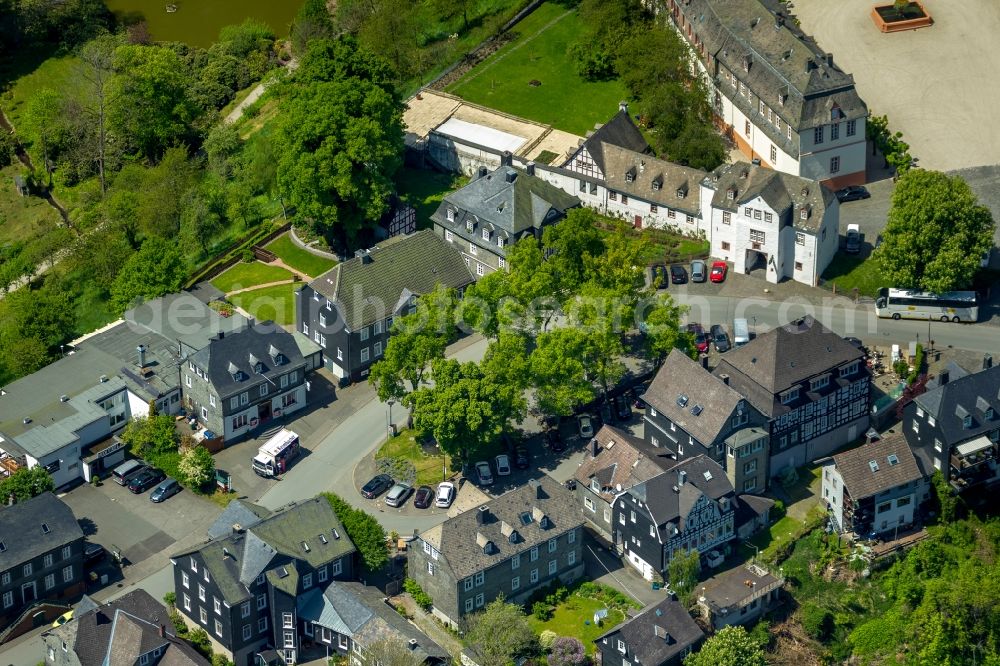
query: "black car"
378, 485
93, 553
659, 276
521, 458
720, 339
678, 274
852, 193
622, 410
145, 480
424, 497
555, 440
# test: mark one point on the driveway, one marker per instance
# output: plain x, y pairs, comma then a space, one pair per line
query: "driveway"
932, 83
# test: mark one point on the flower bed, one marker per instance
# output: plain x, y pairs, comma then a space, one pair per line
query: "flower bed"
894, 18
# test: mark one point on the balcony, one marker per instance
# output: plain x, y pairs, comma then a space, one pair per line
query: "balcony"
972, 462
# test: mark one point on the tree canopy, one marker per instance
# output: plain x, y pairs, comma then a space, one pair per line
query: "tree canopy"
26, 483
150, 436
732, 646
500, 634
364, 531
156, 269
936, 235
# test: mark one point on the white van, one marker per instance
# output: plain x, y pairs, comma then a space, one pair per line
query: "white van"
741, 332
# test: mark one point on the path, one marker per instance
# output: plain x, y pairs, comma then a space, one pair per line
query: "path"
254, 95
281, 264
259, 286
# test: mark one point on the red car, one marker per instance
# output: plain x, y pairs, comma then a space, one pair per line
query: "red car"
700, 338
719, 269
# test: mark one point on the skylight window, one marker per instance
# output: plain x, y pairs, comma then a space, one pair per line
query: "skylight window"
893, 459
873, 465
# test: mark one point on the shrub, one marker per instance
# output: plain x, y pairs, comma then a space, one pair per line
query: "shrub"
419, 596
817, 622
542, 611
170, 599
178, 621
200, 641
567, 651
247, 256
366, 532
546, 639
777, 511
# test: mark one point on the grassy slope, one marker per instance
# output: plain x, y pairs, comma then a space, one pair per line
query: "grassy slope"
299, 259
851, 271
563, 99
244, 275
405, 446
22, 218
270, 303
424, 190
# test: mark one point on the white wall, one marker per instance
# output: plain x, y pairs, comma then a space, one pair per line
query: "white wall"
737, 235
759, 141
852, 151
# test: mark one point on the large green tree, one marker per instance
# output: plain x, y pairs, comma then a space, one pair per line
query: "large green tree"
151, 435
33, 323
500, 634
311, 22
732, 646
364, 531
341, 130
156, 269
659, 318
25, 483
937, 233
559, 371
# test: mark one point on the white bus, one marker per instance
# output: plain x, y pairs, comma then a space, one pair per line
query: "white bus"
947, 306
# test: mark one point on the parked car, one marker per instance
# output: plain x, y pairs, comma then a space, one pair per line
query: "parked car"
424, 497
719, 269
677, 274
720, 338
639, 402
63, 619
398, 495
585, 426
852, 193
93, 553
853, 243
167, 489
445, 495
376, 486
700, 337
554, 440
698, 272
659, 276
145, 480
522, 460
623, 411
503, 465
485, 473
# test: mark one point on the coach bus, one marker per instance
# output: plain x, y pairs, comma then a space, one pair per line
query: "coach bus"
908, 304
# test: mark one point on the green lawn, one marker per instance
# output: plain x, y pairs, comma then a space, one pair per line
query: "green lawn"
311, 264
540, 53
575, 617
404, 446
243, 275
60, 73
270, 303
851, 271
22, 218
424, 190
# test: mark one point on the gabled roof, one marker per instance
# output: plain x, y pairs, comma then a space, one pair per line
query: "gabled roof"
668, 499
681, 387
368, 289
236, 559
34, 527
508, 199
974, 393
787, 195
619, 132
458, 539
238, 512
785, 357
652, 179
620, 462
661, 631
873, 468
223, 357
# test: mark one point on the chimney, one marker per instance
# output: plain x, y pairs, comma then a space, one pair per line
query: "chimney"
623, 106
530, 169
510, 176
483, 515
483, 171
943, 377
594, 447
413, 643
744, 173
829, 60
682, 476
358, 254
506, 159
809, 65
987, 362
163, 631
366, 258
237, 528
141, 349
704, 360
725, 379
539, 493
222, 334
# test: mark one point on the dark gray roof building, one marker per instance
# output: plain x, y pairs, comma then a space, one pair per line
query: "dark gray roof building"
620, 132
663, 633
34, 527
702, 475
237, 513
876, 467
965, 406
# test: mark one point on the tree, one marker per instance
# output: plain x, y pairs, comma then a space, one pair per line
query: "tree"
33, 323
485, 305
223, 144
732, 646
165, 187
41, 123
559, 371
660, 322
937, 233
500, 634
567, 651
683, 573
313, 21
364, 531
571, 245
156, 269
196, 466
96, 69
392, 652
26, 483
149, 436
342, 136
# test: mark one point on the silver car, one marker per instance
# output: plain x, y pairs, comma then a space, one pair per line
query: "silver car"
485, 473
698, 271
398, 495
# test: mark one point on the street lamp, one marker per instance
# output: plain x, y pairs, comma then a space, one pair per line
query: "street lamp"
388, 420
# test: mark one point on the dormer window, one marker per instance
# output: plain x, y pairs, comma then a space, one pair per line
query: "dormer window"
656, 185
500, 241
747, 60
470, 225
450, 214
849, 369
630, 175
731, 193
791, 395
819, 382
990, 414
681, 192
595, 486
486, 234
804, 213
967, 422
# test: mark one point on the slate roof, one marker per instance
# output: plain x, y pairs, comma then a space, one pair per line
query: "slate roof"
118, 632
786, 194
729, 589
868, 470
619, 132
236, 559
22, 534
749, 508
652, 179
974, 393
399, 267
682, 380
747, 32
456, 538
360, 612
235, 350
704, 477
507, 200
658, 633
620, 461
181, 317
238, 512
785, 357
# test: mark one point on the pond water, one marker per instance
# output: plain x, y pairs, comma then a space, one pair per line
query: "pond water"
197, 22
